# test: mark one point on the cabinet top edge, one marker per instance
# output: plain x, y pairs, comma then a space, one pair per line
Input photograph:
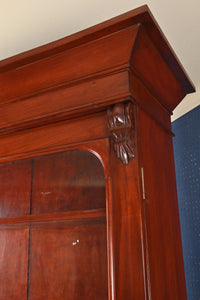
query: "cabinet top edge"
141, 15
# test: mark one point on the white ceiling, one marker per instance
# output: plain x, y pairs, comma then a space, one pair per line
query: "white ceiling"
26, 24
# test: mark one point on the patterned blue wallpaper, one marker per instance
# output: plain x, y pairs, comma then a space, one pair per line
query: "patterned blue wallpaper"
187, 163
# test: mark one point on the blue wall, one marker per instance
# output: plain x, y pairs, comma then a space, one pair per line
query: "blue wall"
187, 164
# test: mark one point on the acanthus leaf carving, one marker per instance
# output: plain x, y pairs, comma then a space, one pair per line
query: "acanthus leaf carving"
121, 126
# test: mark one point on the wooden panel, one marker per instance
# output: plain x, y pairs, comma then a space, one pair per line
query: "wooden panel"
73, 217
61, 103
144, 246
71, 65
74, 40
166, 271
141, 15
53, 137
15, 188
150, 104
68, 263
155, 73
127, 231
13, 264
73, 180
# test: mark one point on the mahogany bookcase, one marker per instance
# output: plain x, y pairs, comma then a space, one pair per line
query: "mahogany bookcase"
88, 205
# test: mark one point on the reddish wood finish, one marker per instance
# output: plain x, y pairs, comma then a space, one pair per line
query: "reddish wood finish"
15, 188
148, 64
131, 41
40, 108
141, 15
45, 219
70, 229
61, 267
63, 246
54, 137
148, 102
128, 236
13, 264
73, 180
161, 211
29, 78
121, 125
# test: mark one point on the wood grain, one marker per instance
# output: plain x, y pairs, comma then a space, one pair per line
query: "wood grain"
149, 65
121, 126
15, 188
161, 210
72, 180
53, 138
55, 217
141, 15
68, 263
66, 102
144, 99
98, 229
127, 230
13, 264
91, 59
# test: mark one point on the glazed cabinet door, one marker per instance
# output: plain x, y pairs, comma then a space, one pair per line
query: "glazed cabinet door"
53, 229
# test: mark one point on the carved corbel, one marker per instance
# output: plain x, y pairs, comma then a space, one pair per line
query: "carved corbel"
121, 126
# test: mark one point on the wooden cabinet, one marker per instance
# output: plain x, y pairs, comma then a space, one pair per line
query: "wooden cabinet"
88, 206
